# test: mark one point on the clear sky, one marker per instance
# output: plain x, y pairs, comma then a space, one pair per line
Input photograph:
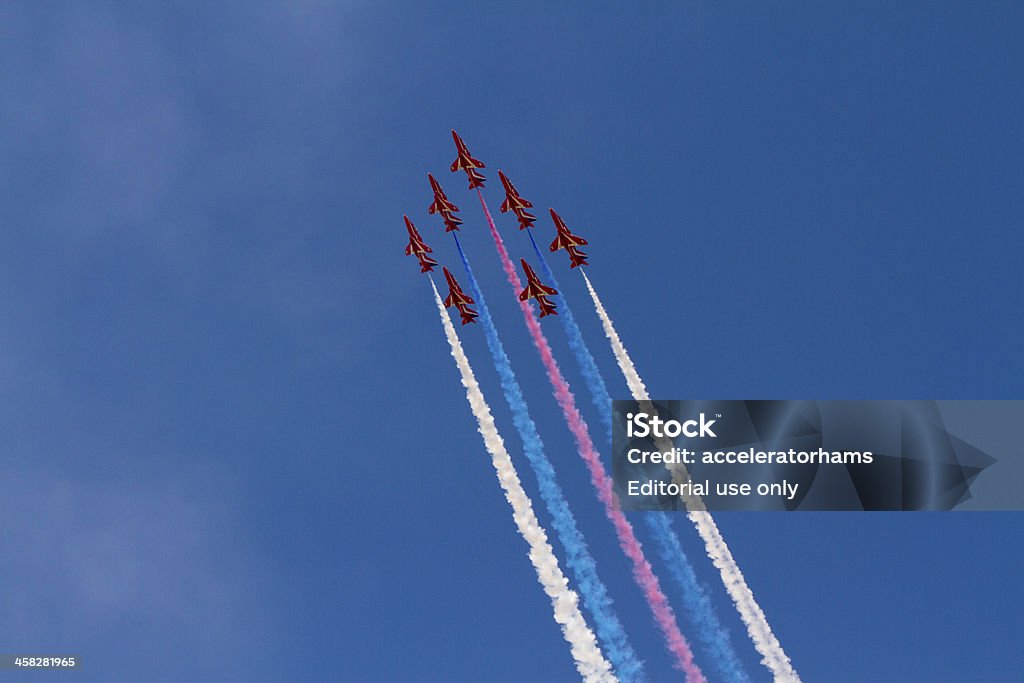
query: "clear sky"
234, 444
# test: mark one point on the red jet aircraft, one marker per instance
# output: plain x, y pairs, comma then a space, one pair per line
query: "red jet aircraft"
442, 206
459, 299
568, 241
467, 163
536, 290
419, 247
516, 204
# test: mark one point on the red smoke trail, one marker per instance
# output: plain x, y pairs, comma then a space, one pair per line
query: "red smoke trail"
642, 572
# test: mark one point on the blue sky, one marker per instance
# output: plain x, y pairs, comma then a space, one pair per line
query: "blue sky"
235, 444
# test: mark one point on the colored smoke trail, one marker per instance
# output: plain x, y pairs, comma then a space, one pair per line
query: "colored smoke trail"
713, 635
642, 571
591, 375
767, 645
589, 661
595, 596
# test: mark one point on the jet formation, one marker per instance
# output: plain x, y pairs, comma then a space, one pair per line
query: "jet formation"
515, 203
518, 205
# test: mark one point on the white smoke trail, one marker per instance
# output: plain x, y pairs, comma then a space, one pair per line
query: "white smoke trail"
590, 662
767, 645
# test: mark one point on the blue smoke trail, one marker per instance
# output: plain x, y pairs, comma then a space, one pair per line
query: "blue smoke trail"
712, 634
580, 561
595, 382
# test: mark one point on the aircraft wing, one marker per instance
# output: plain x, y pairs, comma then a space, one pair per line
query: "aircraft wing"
565, 241
534, 290
458, 299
